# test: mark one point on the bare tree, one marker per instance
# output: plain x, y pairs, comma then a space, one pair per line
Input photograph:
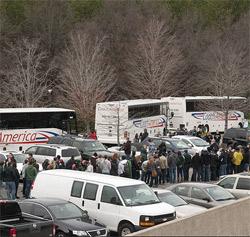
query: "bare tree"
225, 70
86, 76
25, 78
154, 62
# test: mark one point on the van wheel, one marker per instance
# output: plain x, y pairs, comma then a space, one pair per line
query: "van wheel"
125, 229
60, 234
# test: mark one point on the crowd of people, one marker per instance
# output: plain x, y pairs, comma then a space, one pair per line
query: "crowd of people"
154, 165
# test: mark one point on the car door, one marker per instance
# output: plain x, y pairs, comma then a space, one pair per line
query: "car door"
200, 198
228, 183
89, 200
109, 207
242, 187
183, 191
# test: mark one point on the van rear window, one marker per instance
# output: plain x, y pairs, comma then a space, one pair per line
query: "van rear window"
90, 191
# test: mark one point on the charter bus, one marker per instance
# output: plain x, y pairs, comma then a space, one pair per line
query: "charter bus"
116, 121
22, 127
196, 111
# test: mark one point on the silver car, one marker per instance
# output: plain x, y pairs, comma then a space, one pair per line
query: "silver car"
203, 194
183, 209
237, 184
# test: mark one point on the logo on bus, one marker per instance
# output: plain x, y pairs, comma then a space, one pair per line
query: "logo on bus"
216, 116
154, 123
26, 137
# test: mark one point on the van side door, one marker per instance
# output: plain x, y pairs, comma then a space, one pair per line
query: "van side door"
109, 208
89, 200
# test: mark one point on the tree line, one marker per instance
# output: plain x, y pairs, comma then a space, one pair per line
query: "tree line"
76, 53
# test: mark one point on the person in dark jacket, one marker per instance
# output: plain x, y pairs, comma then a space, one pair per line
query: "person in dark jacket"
217, 137
223, 159
30, 174
135, 165
214, 165
196, 164
180, 164
70, 163
10, 178
172, 159
127, 148
114, 165
187, 164
206, 163
246, 159
144, 135
17, 179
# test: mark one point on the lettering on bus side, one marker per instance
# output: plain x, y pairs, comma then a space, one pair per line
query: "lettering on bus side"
17, 137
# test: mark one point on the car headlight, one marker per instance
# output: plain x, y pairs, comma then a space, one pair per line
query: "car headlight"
146, 221
80, 233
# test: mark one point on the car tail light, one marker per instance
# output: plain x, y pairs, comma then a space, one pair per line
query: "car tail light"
54, 227
32, 185
12, 232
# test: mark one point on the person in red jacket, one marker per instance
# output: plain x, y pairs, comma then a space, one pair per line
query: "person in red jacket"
92, 135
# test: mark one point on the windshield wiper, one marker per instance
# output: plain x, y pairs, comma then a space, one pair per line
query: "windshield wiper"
225, 199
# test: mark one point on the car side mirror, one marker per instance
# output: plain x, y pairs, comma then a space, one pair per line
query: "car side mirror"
190, 145
206, 199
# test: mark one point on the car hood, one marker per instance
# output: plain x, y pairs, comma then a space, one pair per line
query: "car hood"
188, 210
154, 209
77, 224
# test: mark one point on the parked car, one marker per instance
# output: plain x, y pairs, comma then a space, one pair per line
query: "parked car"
42, 152
183, 209
13, 223
196, 144
19, 157
171, 144
120, 151
123, 205
240, 135
87, 147
203, 194
68, 219
237, 184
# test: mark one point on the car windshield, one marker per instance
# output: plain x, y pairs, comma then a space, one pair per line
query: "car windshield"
94, 146
20, 158
172, 199
199, 142
219, 194
179, 144
136, 195
66, 211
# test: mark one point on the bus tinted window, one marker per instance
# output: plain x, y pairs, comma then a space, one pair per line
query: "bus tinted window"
143, 111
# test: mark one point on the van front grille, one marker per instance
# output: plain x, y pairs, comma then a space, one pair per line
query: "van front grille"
96, 233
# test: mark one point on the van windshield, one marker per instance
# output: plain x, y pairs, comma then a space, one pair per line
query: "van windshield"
137, 195
93, 146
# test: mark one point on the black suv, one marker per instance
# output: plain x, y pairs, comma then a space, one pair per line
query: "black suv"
240, 135
87, 147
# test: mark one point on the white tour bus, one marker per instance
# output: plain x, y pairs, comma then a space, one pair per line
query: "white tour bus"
126, 118
123, 205
22, 127
191, 111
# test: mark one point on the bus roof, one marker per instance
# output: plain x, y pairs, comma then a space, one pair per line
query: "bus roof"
208, 97
33, 110
134, 102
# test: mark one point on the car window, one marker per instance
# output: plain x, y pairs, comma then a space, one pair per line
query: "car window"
109, 195
41, 212
2, 157
70, 152
46, 151
243, 183
76, 190
198, 193
182, 190
31, 150
227, 182
27, 207
90, 191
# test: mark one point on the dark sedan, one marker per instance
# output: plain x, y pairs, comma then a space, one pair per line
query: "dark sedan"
203, 194
69, 220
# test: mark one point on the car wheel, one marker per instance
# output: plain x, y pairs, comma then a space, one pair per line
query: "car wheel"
125, 229
60, 234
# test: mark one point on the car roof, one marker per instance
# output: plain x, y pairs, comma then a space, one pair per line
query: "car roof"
8, 152
57, 146
243, 174
77, 138
159, 191
93, 177
186, 136
46, 201
195, 184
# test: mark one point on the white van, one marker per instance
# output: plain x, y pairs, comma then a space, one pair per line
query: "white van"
123, 205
